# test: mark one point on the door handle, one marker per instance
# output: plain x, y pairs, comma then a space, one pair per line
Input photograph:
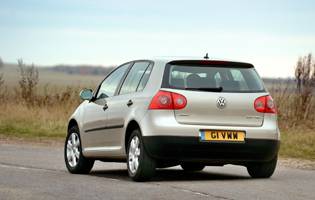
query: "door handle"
129, 103
105, 107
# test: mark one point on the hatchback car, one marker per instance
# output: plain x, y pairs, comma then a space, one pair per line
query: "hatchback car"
167, 112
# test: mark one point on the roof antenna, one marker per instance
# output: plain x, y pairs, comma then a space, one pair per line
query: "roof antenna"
206, 57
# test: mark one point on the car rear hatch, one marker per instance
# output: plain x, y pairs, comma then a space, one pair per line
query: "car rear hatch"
218, 93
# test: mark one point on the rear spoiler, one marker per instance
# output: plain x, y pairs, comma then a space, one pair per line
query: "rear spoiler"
217, 63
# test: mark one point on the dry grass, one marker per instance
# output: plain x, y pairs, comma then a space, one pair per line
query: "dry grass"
44, 116
30, 110
20, 120
298, 143
294, 110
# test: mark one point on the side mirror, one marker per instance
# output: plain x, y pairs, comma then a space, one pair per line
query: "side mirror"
86, 94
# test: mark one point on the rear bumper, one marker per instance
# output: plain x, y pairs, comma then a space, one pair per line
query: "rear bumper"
191, 149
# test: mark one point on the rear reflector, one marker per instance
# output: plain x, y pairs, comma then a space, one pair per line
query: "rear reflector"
165, 100
265, 104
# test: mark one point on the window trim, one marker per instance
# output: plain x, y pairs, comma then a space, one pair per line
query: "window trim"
143, 75
135, 61
119, 84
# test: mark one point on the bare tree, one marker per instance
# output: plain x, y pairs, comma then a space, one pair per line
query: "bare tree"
305, 72
305, 76
1, 63
1, 81
2, 89
29, 78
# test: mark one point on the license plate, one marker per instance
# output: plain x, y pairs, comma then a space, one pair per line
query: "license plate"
222, 136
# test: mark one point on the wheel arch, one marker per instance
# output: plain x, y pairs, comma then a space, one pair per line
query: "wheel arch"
132, 125
72, 123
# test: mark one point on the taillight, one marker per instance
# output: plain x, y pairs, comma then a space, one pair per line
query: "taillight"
168, 101
265, 104
179, 101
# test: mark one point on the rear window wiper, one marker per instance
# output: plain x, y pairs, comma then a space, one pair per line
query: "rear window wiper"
214, 89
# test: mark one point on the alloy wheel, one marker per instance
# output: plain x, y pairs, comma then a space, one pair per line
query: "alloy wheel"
134, 154
73, 149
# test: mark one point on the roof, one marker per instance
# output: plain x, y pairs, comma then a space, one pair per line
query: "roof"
183, 58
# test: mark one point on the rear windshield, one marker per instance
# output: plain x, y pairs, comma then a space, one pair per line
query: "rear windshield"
213, 78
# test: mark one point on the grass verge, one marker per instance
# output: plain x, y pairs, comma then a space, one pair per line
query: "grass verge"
20, 121
31, 130
298, 143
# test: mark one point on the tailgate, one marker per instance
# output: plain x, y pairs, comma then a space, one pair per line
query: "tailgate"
219, 109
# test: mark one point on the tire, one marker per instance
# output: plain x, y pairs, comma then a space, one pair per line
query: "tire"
76, 163
262, 170
141, 167
191, 167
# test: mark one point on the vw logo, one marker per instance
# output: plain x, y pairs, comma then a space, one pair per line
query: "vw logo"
221, 102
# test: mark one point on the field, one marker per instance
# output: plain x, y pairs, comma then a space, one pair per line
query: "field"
41, 112
55, 98
51, 78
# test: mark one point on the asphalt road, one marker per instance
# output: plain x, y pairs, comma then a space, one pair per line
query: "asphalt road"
38, 172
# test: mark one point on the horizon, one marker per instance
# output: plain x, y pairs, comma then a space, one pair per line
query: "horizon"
271, 35
113, 66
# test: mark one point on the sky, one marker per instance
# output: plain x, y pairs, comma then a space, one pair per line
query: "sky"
270, 34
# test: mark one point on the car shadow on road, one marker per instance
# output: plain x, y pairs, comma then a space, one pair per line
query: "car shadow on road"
171, 175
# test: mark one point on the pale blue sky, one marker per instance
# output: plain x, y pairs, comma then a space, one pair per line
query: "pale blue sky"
270, 34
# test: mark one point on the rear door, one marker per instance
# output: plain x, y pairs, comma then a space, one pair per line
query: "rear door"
119, 106
95, 114
218, 93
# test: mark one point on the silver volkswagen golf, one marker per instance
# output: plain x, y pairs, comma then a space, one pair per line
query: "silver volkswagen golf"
167, 112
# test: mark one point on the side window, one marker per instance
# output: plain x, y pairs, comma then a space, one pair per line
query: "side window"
133, 78
110, 84
145, 78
